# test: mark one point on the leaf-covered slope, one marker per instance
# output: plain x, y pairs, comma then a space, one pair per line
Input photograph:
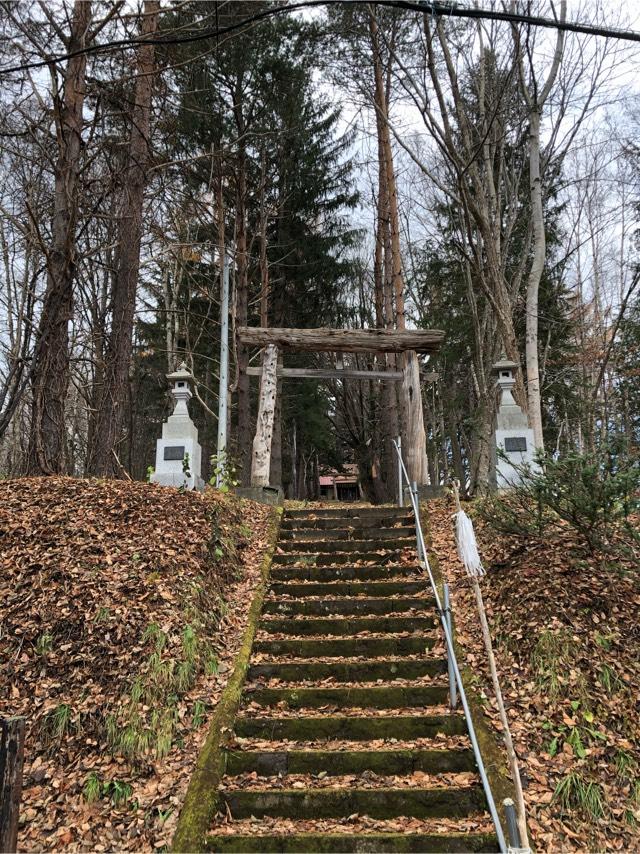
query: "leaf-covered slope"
565, 631
120, 604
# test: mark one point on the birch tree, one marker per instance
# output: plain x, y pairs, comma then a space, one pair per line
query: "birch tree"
535, 93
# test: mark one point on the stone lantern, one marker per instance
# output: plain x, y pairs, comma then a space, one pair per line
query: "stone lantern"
178, 452
514, 437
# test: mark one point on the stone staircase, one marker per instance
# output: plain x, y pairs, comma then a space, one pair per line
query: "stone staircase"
344, 741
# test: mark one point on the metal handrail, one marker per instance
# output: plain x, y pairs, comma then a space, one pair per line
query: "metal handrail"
424, 563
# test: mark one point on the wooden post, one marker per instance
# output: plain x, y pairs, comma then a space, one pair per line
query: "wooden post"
11, 760
504, 720
414, 438
261, 456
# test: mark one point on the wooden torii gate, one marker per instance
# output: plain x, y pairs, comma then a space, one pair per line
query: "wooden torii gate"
410, 342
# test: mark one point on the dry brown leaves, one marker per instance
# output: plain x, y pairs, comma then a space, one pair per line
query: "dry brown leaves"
366, 780
356, 824
548, 593
254, 710
440, 741
87, 566
336, 683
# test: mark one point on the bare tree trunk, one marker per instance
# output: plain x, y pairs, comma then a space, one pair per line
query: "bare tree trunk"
414, 437
456, 454
110, 415
535, 100
50, 375
242, 305
533, 283
388, 395
275, 474
293, 486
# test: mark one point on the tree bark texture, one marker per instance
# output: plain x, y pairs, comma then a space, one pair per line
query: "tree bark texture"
389, 424
242, 304
275, 472
384, 138
112, 397
344, 340
533, 282
261, 458
412, 428
11, 762
413, 433
50, 376
535, 99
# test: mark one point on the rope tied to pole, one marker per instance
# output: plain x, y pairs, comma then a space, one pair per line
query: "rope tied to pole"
470, 558
467, 546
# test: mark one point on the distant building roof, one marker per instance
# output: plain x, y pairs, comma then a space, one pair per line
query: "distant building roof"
331, 476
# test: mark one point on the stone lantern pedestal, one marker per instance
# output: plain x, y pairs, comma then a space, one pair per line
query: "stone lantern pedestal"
514, 437
178, 452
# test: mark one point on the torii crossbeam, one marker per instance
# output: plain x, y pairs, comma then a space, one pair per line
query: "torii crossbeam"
344, 340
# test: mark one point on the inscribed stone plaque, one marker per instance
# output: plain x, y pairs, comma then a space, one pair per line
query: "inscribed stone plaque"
515, 443
174, 452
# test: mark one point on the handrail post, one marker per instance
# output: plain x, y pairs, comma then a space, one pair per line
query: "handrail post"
512, 824
451, 656
414, 493
400, 483
453, 694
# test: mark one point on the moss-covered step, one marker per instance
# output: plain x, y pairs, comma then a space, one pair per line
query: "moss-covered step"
345, 573
378, 697
345, 843
336, 762
354, 523
326, 547
347, 513
328, 534
348, 671
350, 728
361, 605
347, 626
326, 560
349, 588
445, 801
344, 647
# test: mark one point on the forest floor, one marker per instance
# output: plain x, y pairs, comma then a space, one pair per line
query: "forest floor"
566, 634
123, 607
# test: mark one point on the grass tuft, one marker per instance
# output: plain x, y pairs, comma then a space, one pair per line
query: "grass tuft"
153, 634
198, 714
57, 723
609, 679
44, 644
574, 793
92, 789
551, 657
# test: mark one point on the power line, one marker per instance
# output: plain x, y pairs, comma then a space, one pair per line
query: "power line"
437, 9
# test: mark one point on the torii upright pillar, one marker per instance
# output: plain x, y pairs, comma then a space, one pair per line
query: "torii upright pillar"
414, 443
261, 455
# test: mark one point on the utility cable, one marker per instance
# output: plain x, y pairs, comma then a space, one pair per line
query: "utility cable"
437, 9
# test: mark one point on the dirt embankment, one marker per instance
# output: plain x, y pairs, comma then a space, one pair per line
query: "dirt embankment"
565, 631
122, 607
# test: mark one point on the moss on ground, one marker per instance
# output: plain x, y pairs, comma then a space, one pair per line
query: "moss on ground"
201, 800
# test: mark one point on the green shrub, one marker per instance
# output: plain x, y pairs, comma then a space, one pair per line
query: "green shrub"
594, 493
